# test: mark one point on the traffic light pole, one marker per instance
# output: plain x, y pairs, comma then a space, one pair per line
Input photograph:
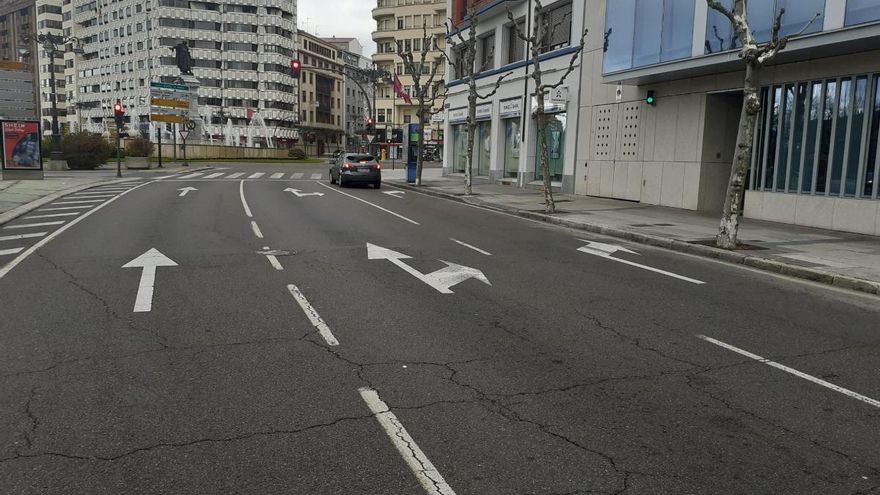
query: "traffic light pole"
118, 150
159, 137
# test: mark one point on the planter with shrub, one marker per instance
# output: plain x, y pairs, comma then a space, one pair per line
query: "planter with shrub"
297, 154
85, 150
137, 153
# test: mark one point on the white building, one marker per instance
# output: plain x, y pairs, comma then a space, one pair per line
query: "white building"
358, 98
241, 54
49, 21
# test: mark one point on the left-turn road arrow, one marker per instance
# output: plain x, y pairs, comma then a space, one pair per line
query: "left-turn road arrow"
185, 190
148, 261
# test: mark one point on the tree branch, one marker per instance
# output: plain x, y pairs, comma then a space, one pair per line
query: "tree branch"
495, 89
571, 64
768, 51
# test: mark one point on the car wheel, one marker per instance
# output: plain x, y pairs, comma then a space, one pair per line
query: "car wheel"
377, 184
341, 182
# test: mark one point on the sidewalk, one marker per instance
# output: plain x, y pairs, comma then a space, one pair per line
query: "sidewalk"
837, 258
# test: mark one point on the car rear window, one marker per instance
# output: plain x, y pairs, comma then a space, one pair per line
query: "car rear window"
360, 158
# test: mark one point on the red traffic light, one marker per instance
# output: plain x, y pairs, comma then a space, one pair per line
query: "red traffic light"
370, 121
295, 66
118, 109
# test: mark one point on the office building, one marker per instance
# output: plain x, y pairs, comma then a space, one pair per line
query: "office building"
359, 94
321, 93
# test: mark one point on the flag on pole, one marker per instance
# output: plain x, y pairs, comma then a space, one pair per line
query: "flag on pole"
398, 90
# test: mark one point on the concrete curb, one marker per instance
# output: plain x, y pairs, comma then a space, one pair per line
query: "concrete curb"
757, 262
33, 205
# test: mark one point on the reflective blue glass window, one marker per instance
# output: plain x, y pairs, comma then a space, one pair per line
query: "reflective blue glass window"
619, 27
798, 14
721, 36
646, 49
861, 11
678, 29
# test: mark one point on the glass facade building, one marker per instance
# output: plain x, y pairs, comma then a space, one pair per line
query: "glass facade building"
636, 38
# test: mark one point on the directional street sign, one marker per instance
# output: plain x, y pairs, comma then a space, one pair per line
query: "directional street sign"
300, 194
606, 251
185, 190
169, 86
148, 261
441, 280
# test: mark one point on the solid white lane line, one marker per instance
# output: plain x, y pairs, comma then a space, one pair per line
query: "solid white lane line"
4, 252
214, 175
317, 176
799, 374
22, 236
470, 247
371, 204
66, 208
256, 229
29, 225
313, 315
256, 175
191, 176
297, 176
652, 269
81, 202
31, 250
277, 175
54, 215
247, 209
235, 175
425, 472
274, 262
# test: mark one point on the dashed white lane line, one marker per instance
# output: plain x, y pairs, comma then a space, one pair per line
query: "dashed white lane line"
53, 215
213, 176
235, 175
4, 252
256, 175
247, 209
371, 204
22, 236
296, 176
273, 260
425, 472
277, 175
799, 374
66, 208
30, 225
256, 229
80, 202
487, 253
313, 315
317, 176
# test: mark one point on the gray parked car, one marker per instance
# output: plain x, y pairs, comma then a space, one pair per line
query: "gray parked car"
354, 168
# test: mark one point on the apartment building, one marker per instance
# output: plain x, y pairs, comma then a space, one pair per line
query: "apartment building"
49, 21
17, 96
18, 69
358, 95
322, 89
400, 28
241, 55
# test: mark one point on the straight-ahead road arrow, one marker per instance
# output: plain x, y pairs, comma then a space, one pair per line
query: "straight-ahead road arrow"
441, 280
603, 250
300, 194
396, 194
185, 190
148, 261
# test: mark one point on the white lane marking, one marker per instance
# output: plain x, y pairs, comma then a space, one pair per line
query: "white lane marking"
80, 202
273, 260
191, 176
149, 261
29, 225
656, 270
256, 175
277, 175
109, 189
441, 280
297, 176
422, 468
371, 204
22, 236
247, 209
31, 250
185, 190
54, 215
299, 194
4, 252
67, 208
605, 251
317, 176
91, 196
313, 315
235, 175
256, 229
487, 253
799, 374
395, 194
213, 176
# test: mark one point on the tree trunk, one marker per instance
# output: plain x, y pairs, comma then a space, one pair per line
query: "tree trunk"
730, 217
541, 126
472, 128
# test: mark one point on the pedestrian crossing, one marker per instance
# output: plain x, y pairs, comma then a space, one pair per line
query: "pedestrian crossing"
213, 175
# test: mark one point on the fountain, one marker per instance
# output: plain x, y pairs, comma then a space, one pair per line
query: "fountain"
258, 120
250, 135
228, 134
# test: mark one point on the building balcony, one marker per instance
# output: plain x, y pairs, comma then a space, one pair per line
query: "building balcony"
385, 57
380, 12
385, 34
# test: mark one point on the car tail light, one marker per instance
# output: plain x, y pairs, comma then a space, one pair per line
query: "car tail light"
346, 166
377, 166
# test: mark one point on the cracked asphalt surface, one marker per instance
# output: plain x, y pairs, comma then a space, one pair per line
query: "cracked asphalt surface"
570, 374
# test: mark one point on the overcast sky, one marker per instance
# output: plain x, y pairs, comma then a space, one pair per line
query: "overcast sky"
340, 18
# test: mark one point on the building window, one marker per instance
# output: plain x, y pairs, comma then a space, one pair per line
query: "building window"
645, 32
862, 11
516, 49
559, 22
819, 137
487, 52
555, 132
720, 35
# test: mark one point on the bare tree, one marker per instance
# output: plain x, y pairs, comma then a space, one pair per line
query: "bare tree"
424, 90
539, 43
754, 55
465, 64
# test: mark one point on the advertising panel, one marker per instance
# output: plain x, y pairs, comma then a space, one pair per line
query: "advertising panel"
21, 145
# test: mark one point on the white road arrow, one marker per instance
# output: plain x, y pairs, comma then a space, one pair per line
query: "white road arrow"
185, 190
300, 194
603, 250
148, 261
441, 280
396, 194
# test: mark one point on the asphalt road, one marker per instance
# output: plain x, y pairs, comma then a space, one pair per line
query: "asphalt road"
477, 353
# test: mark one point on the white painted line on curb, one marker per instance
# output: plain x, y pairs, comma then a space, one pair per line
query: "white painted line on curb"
317, 176
29, 225
487, 253
31, 250
297, 176
277, 175
371, 204
256, 229
313, 315
4, 252
66, 208
54, 215
247, 209
256, 175
213, 176
81, 202
235, 175
22, 236
799, 374
425, 472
